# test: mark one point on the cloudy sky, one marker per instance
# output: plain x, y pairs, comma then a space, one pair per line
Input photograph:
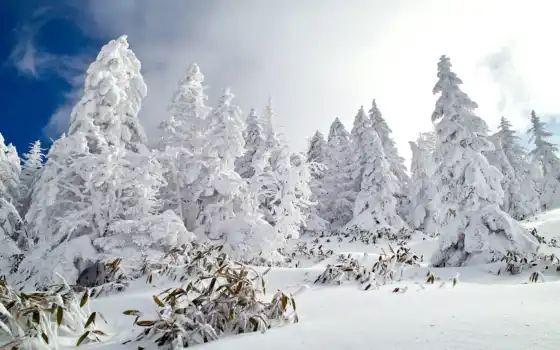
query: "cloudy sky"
318, 59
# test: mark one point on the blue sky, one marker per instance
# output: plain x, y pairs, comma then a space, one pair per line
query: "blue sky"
317, 62
42, 51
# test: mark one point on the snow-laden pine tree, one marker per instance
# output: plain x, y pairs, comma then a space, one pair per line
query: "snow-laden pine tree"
9, 172
180, 146
473, 229
12, 234
497, 158
227, 209
396, 162
524, 198
316, 164
545, 156
317, 148
338, 196
421, 168
375, 209
96, 196
188, 110
30, 172
254, 135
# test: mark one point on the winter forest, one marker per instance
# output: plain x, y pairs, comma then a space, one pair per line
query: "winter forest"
101, 195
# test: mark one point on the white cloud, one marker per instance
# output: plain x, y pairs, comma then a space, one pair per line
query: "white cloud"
324, 59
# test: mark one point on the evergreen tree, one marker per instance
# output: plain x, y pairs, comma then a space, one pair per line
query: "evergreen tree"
181, 146
188, 109
316, 163
472, 226
524, 202
100, 181
545, 156
396, 162
254, 136
12, 237
337, 199
227, 208
317, 149
422, 167
375, 206
30, 172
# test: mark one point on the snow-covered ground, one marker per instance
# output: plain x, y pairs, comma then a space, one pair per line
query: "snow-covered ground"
483, 311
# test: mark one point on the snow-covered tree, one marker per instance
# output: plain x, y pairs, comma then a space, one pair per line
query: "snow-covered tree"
98, 175
317, 148
254, 136
30, 172
12, 237
545, 156
422, 167
316, 164
396, 162
337, 198
521, 198
473, 228
188, 110
9, 172
376, 205
227, 209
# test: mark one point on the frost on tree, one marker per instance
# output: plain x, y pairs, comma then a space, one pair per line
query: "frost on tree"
396, 162
12, 233
421, 209
376, 204
544, 154
316, 164
473, 229
317, 148
226, 206
30, 171
524, 193
338, 195
519, 201
180, 146
254, 136
188, 111
99, 174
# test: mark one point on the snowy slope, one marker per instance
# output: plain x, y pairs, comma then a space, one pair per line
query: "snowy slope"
483, 311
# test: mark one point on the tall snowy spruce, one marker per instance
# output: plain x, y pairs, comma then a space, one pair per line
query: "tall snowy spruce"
227, 207
180, 146
421, 192
396, 162
188, 111
96, 196
521, 198
255, 140
473, 229
12, 234
316, 162
31, 168
375, 209
544, 155
338, 195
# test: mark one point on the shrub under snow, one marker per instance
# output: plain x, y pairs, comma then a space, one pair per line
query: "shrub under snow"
223, 300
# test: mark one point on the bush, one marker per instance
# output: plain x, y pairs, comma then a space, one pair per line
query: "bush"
386, 269
515, 263
221, 302
38, 319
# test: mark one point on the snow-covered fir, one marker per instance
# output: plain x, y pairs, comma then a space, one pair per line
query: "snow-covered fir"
472, 227
421, 210
544, 155
219, 205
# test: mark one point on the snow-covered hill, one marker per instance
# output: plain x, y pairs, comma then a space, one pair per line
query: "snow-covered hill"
483, 311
